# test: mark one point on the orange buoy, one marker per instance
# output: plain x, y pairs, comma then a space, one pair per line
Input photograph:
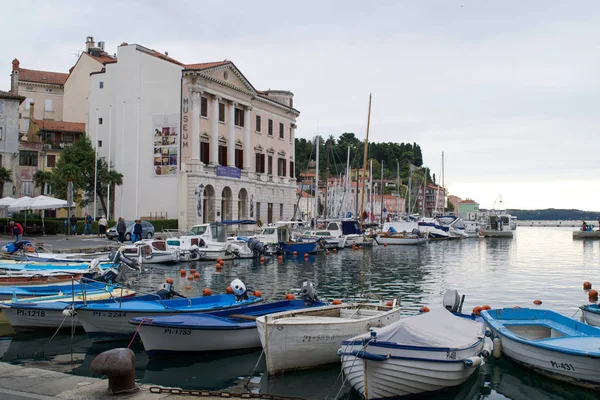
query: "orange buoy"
190, 277
593, 295
477, 310
486, 307
228, 290
262, 259
389, 303
336, 302
206, 292
182, 272
517, 307
169, 281
196, 275
280, 258
537, 302
218, 265
192, 271
587, 285
290, 296
258, 293
326, 252
360, 247
335, 250
424, 309
222, 262
385, 245
305, 255
295, 253
188, 287
219, 260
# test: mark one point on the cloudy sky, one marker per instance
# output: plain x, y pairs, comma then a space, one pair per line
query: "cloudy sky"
508, 90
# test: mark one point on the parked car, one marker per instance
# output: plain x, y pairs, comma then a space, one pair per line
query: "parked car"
147, 231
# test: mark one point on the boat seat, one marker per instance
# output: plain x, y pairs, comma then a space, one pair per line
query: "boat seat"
567, 331
587, 344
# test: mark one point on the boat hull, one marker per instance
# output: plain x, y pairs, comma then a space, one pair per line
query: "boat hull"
390, 240
403, 372
23, 320
586, 234
591, 318
354, 240
292, 345
498, 234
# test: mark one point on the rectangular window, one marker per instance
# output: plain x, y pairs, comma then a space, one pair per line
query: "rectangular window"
222, 155
205, 152
50, 161
99, 143
48, 105
239, 117
239, 158
269, 213
48, 189
203, 107
280, 130
101, 85
68, 137
221, 112
258, 123
28, 158
260, 163
1, 161
1, 132
99, 121
270, 133
281, 211
26, 188
291, 169
48, 90
257, 211
270, 164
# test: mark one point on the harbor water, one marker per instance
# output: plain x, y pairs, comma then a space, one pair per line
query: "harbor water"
542, 263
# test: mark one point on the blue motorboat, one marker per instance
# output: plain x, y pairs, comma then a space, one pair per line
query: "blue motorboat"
299, 247
548, 342
36, 266
232, 329
104, 322
23, 292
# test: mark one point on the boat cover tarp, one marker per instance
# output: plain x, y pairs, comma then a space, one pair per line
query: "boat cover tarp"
239, 222
351, 228
436, 328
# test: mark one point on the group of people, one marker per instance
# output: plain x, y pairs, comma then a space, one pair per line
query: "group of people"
136, 230
588, 227
87, 228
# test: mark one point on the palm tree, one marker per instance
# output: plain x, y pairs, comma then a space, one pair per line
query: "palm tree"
41, 178
5, 176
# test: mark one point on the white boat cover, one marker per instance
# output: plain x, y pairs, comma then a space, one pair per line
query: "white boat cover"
436, 328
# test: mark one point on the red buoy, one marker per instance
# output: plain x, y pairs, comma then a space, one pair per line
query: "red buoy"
170, 281
424, 309
537, 302
290, 296
336, 302
477, 310
587, 285
206, 292
229, 290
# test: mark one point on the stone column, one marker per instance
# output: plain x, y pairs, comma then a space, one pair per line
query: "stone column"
231, 136
195, 124
214, 131
247, 138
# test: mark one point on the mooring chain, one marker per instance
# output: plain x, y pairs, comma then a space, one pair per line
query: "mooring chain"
225, 395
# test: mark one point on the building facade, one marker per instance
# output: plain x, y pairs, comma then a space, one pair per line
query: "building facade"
468, 209
9, 137
214, 146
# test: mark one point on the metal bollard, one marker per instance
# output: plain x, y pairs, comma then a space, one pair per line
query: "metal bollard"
119, 366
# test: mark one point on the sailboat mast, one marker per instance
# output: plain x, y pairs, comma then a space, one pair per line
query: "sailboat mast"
317, 183
409, 205
365, 155
327, 176
397, 188
443, 186
371, 211
381, 190
424, 193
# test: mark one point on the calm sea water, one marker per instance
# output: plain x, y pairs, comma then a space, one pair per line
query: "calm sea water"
539, 263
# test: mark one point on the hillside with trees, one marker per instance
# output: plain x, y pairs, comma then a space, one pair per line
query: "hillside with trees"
554, 214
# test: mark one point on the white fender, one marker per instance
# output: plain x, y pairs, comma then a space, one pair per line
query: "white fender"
473, 362
497, 352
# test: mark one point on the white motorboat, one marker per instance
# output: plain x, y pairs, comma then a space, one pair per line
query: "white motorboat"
549, 343
348, 229
401, 238
209, 242
591, 314
328, 241
309, 338
151, 251
423, 353
434, 229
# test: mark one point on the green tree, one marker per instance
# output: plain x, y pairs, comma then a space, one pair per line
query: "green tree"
449, 206
41, 179
76, 164
5, 176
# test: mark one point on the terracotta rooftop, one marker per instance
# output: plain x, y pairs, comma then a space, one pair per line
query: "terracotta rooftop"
167, 58
205, 65
467, 201
305, 194
60, 126
104, 58
32, 75
8, 95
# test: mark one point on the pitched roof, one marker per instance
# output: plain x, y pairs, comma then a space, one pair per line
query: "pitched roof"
32, 75
166, 58
60, 126
11, 96
105, 58
206, 65
467, 201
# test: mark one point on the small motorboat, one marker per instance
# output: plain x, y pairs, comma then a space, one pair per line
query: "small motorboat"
415, 355
48, 289
401, 238
232, 329
150, 251
105, 322
591, 314
328, 241
549, 343
308, 338
25, 278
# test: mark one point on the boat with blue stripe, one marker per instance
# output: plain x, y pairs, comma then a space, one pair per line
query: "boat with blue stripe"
231, 329
23, 292
549, 343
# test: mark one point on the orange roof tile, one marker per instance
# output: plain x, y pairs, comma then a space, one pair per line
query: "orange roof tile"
467, 201
8, 95
32, 75
166, 58
61, 126
206, 65
105, 58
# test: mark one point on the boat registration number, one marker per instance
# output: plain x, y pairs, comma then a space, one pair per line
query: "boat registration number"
31, 313
109, 314
565, 366
322, 338
184, 332
450, 355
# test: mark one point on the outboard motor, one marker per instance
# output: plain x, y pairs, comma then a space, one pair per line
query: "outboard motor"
195, 253
252, 243
239, 290
308, 293
108, 276
131, 263
167, 292
452, 301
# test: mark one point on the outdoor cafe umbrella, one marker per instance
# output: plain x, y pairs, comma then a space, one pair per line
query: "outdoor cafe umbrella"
4, 203
37, 203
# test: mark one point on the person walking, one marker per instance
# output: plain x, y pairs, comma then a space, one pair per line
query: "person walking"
102, 222
17, 231
88, 224
73, 225
121, 229
136, 231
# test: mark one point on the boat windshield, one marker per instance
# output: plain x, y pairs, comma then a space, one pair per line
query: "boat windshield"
198, 230
268, 231
323, 233
173, 242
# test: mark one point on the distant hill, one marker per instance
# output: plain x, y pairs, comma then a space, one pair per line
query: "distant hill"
553, 214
